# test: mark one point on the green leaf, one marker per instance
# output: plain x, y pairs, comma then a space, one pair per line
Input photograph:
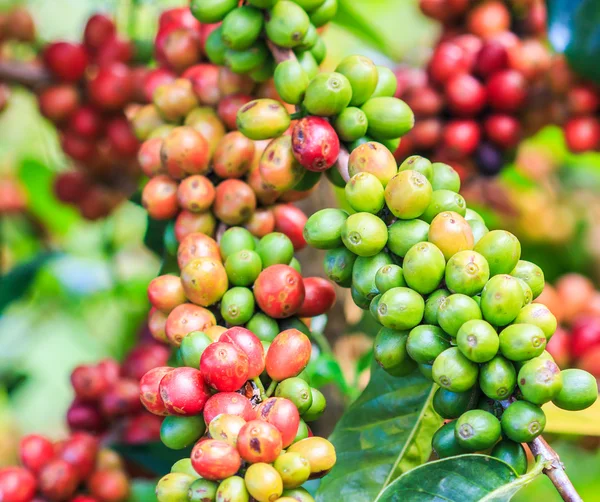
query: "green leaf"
143, 490
153, 457
154, 238
466, 478
387, 431
325, 370
16, 283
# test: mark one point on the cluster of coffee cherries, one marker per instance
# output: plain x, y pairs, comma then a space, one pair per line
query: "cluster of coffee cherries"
107, 396
240, 40
246, 441
483, 84
76, 469
455, 301
92, 84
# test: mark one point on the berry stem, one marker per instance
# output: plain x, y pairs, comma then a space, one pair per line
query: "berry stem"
271, 388
260, 386
279, 53
554, 468
26, 74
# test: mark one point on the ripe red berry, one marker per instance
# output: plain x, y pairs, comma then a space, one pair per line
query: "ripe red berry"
80, 451
215, 460
583, 134
181, 16
426, 134
315, 143
283, 414
115, 50
35, 451
88, 382
583, 100
288, 354
235, 202
177, 48
109, 485
465, 95
504, 130
409, 78
16, 485
425, 101
142, 428
249, 343
224, 367
154, 79
98, 30
85, 417
150, 392
86, 122
585, 334
66, 60
122, 398
58, 480
507, 90
184, 392
111, 87
229, 106
290, 220
70, 186
204, 78
229, 403
121, 137
78, 148
559, 347
461, 137
185, 151
166, 292
279, 291
111, 370
488, 19
319, 297
159, 197
59, 102
186, 318
492, 57
448, 60
259, 441
143, 358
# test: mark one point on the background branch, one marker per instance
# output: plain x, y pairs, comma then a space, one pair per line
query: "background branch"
26, 74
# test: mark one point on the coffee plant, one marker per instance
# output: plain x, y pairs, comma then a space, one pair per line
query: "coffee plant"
235, 124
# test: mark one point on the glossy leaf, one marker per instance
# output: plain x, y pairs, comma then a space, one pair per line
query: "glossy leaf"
387, 431
154, 458
466, 478
154, 238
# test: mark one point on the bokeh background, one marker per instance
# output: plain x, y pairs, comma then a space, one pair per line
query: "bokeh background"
73, 291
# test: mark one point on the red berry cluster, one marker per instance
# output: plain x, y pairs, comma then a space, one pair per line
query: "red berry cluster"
107, 396
13, 198
75, 469
482, 86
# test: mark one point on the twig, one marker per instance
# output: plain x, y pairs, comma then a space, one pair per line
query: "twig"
27, 74
554, 468
280, 54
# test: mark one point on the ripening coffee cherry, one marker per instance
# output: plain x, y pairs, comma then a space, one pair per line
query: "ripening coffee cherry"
259, 441
233, 156
263, 481
448, 60
183, 391
195, 246
58, 480
175, 100
110, 485
373, 158
35, 451
226, 428
159, 197
17, 484
408, 194
215, 460
185, 151
288, 354
150, 392
235, 202
282, 414
66, 60
174, 486
451, 233
319, 297
228, 403
279, 291
319, 452
204, 281
582, 134
247, 342
293, 468
224, 366
262, 119
507, 90
166, 292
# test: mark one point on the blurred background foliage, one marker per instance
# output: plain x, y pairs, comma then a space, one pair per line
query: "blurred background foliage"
72, 291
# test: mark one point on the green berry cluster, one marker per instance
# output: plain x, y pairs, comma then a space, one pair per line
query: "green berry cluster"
240, 43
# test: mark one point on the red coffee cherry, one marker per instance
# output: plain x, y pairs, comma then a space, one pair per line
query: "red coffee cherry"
504, 130
259, 441
233, 156
143, 358
215, 460
165, 292
229, 403
279, 291
461, 137
98, 30
283, 414
249, 343
506, 90
109, 486
78, 148
86, 122
85, 417
141, 429
319, 297
16, 485
262, 222
58, 102
111, 370
35, 451
229, 106
177, 48
290, 220
157, 322
149, 157
235, 202
150, 392
582, 134
492, 57
465, 95
66, 60
448, 60
122, 398
185, 151
184, 392
80, 451
224, 367
426, 134
288, 354
196, 246
58, 480
583, 100
425, 101
204, 78
159, 197
88, 382
315, 143
111, 88
188, 223
115, 50
154, 79
121, 137
70, 186
196, 193
488, 19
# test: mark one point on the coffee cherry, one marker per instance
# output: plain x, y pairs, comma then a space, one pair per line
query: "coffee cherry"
228, 403
279, 291
448, 60
291, 81
521, 342
99, 29
259, 441
390, 352
497, 378
275, 248
323, 230
523, 422
461, 137
66, 60
185, 151
454, 372
445, 443
204, 281
215, 460
315, 144
540, 380
88, 382
159, 197
57, 480
503, 130
232, 488
477, 430
293, 468
262, 480
262, 119
455, 310
582, 134
179, 432
319, 297
224, 367
111, 87
287, 24
122, 398
513, 454
506, 90
186, 318
288, 354
408, 194
297, 391
34, 452
196, 246
579, 390
467, 272
478, 341
57, 103
317, 407
247, 342
234, 202
282, 414
451, 233
109, 485
423, 267
319, 452
174, 486
17, 484
183, 391
166, 292
501, 300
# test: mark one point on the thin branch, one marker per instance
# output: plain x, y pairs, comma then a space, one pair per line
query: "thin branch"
26, 74
280, 54
554, 468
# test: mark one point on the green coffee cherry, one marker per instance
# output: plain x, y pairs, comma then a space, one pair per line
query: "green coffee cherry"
275, 248
388, 117
192, 346
471, 215
184, 466
309, 5
520, 342
263, 326
391, 144
364, 234
449, 404
243, 267
364, 272
232, 489
467, 272
579, 390
540, 381
263, 4
237, 306
478, 341
374, 305
501, 300
432, 305
401, 308
291, 81
295, 264
538, 315
408, 194
287, 24
386, 83
388, 277
203, 490
477, 430
360, 300
309, 40
174, 487
317, 406
351, 124
215, 48
319, 50
327, 94
302, 432
309, 180
299, 494
308, 63
365, 193
423, 267
531, 274
522, 422
444, 200
325, 13
497, 378
478, 230
501, 249
390, 352
323, 230
293, 468
211, 11
426, 370
403, 235
453, 371
419, 164
527, 293
444, 442
444, 177
297, 391
362, 74
263, 119
338, 265
236, 239
426, 342
241, 27
247, 60
455, 311
513, 454
178, 432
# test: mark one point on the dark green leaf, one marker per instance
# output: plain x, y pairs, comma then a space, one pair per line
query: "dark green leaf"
155, 232
466, 478
325, 370
16, 283
143, 490
155, 458
385, 432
